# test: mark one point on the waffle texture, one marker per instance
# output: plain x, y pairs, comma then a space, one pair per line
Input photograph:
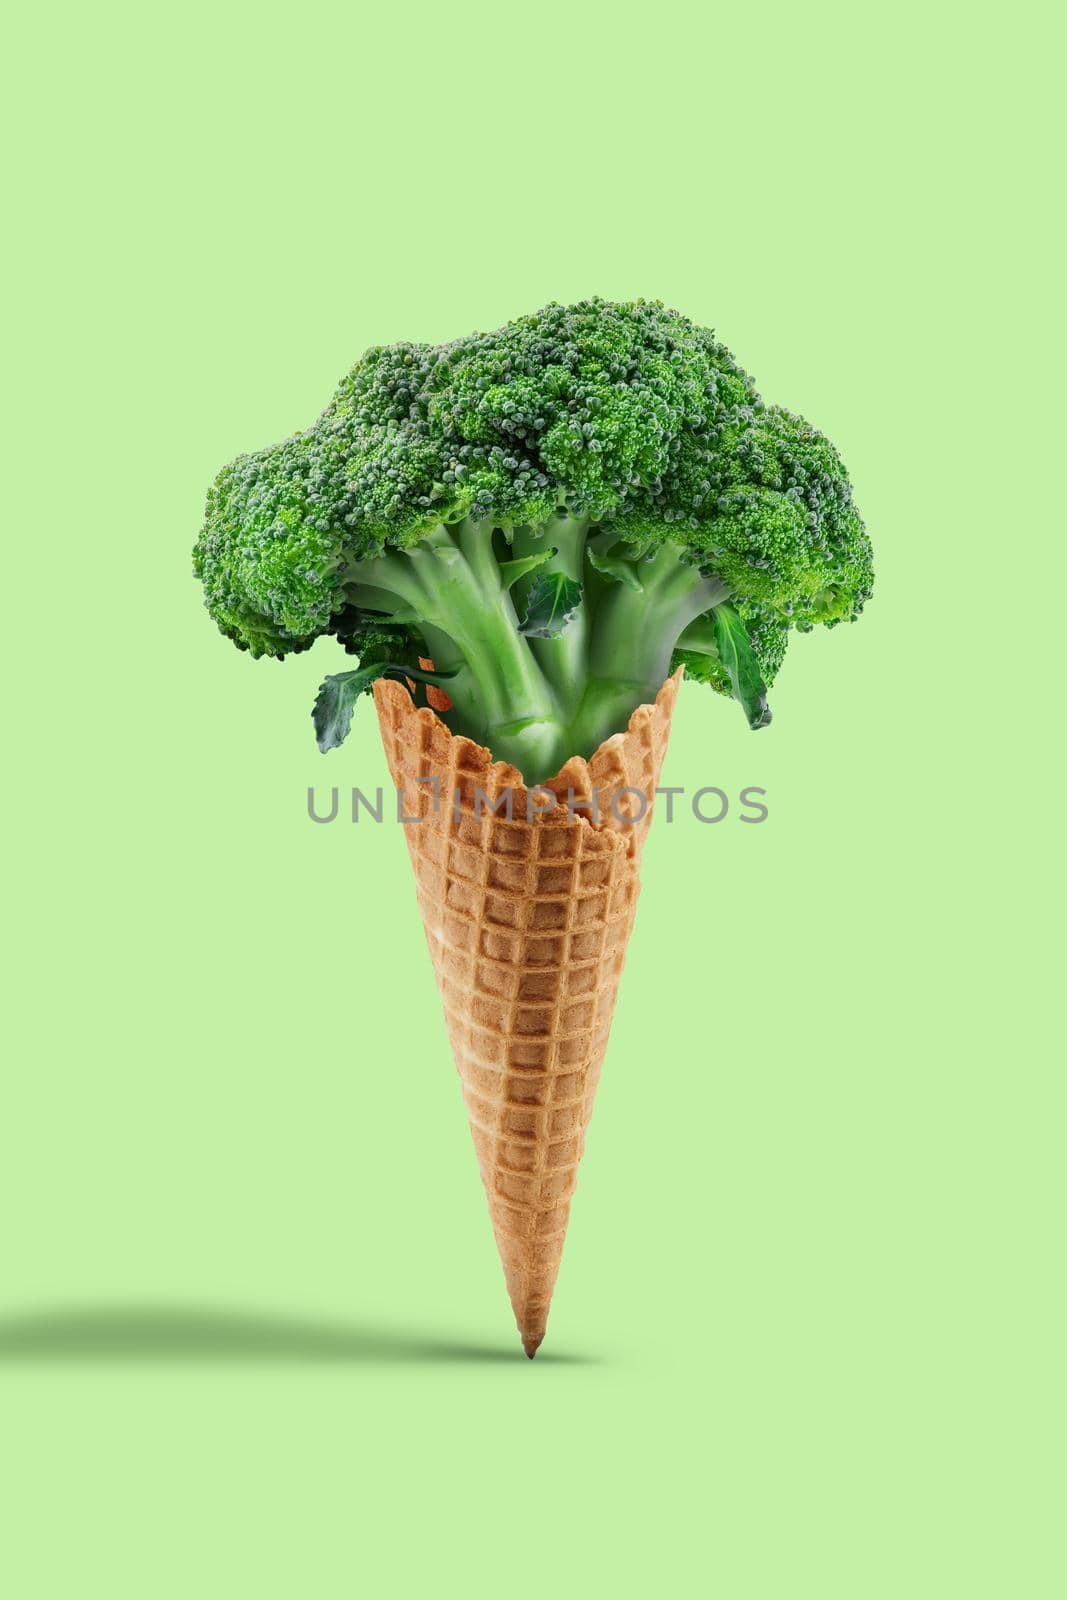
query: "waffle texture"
527, 918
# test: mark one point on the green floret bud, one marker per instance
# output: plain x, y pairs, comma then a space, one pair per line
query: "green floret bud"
787, 512
268, 557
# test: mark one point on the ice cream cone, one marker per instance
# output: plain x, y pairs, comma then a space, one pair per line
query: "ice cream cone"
527, 921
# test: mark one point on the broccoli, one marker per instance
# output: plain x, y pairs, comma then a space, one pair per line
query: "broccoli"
542, 522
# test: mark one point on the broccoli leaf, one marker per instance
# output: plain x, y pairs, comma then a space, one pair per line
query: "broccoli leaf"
337, 696
553, 601
512, 571
336, 700
615, 568
737, 656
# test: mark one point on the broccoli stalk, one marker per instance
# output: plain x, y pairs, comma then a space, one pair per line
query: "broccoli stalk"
638, 629
535, 690
544, 521
451, 588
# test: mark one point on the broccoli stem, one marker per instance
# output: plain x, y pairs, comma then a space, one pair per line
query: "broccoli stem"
451, 580
635, 636
565, 659
535, 702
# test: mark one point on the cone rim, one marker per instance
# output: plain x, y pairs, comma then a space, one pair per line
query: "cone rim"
503, 774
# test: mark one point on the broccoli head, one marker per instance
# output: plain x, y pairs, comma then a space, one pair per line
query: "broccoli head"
552, 515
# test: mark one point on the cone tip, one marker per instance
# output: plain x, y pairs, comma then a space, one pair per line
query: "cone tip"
531, 1347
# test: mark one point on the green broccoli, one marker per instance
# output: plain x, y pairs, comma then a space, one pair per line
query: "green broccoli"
542, 521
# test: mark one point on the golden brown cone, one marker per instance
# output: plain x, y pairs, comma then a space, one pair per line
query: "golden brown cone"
527, 924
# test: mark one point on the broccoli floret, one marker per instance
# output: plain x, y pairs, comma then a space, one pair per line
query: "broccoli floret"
552, 514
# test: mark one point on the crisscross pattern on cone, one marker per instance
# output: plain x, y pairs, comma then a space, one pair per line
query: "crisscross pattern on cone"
527, 923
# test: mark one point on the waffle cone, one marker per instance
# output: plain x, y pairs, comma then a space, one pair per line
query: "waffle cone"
527, 923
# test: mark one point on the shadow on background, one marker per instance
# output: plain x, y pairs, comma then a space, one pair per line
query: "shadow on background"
202, 1336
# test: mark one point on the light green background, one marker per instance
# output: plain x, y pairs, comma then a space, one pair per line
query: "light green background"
807, 1338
